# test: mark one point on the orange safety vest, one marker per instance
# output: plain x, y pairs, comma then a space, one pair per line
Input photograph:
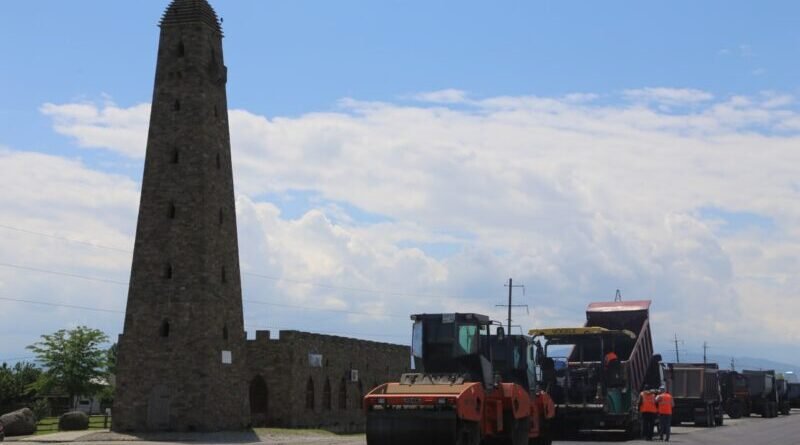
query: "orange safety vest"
664, 402
647, 403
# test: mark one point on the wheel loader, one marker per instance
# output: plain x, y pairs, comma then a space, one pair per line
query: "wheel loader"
470, 386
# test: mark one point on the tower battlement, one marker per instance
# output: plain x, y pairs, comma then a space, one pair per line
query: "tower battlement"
181, 12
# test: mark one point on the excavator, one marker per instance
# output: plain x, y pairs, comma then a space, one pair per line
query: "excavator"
470, 386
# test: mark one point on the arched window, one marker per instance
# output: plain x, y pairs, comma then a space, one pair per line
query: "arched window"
326, 395
221, 216
181, 49
219, 162
224, 276
174, 156
163, 331
343, 394
225, 332
171, 210
310, 394
259, 401
168, 271
216, 111
177, 105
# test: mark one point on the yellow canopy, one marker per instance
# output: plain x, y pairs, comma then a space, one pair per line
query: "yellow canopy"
574, 332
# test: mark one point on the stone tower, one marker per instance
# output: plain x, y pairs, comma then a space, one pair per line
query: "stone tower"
181, 360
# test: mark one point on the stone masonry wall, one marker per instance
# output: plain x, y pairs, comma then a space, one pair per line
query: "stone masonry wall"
301, 395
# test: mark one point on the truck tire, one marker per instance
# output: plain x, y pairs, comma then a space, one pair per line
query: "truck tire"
786, 408
719, 416
735, 409
634, 429
519, 431
469, 433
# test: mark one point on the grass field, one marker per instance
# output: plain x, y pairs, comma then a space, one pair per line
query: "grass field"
49, 425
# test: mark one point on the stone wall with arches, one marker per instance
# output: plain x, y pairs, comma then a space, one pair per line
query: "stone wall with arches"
305, 380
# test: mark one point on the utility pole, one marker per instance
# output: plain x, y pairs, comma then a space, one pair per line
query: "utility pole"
705, 349
510, 304
618, 296
733, 364
677, 350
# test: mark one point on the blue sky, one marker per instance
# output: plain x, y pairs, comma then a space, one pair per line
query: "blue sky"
431, 149
288, 58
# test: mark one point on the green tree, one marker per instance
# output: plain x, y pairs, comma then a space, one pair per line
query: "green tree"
111, 359
17, 385
73, 361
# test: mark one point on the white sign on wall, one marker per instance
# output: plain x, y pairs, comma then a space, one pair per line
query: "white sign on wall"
227, 357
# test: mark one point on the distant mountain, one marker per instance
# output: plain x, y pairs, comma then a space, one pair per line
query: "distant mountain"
741, 363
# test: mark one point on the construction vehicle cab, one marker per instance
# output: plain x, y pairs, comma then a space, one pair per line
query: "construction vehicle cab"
469, 386
454, 345
595, 373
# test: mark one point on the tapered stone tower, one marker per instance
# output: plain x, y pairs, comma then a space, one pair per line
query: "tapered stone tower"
182, 351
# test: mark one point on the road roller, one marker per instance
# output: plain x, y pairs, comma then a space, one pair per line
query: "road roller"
472, 383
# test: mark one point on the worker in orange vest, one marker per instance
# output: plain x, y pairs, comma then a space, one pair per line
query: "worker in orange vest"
665, 404
649, 411
611, 357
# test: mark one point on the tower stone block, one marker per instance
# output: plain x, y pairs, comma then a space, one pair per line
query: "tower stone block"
181, 360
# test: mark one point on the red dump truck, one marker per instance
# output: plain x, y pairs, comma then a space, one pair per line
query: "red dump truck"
589, 392
695, 388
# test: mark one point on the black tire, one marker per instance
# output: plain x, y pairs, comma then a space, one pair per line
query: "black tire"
520, 431
469, 433
545, 438
634, 429
786, 408
735, 409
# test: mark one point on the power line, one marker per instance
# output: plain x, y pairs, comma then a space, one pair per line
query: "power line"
86, 308
252, 274
356, 289
70, 306
341, 311
17, 359
63, 238
63, 274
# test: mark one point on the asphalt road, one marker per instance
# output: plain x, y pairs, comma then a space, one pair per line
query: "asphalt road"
783, 430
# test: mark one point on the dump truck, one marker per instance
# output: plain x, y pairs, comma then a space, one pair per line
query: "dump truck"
782, 388
695, 389
735, 395
590, 392
470, 386
763, 392
793, 389
749, 392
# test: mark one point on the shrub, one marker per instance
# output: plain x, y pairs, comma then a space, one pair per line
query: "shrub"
73, 421
40, 408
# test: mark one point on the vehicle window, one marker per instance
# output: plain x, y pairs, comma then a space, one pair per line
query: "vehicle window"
468, 339
517, 358
416, 339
